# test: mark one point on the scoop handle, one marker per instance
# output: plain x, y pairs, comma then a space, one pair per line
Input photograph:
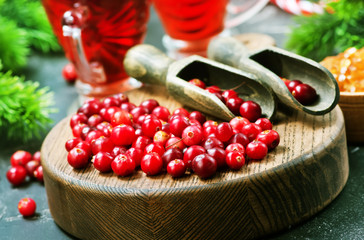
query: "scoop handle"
147, 64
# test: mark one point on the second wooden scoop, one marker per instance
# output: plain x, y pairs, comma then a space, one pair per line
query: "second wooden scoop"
150, 65
272, 63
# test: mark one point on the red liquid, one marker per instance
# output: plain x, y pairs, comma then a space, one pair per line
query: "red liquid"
110, 29
191, 19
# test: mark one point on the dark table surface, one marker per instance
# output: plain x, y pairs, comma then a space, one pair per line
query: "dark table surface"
343, 218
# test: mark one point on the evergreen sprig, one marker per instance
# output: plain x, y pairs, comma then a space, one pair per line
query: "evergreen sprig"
334, 31
24, 108
26, 24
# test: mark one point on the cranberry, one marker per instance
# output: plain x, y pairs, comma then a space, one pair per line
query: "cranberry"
204, 165
107, 113
85, 146
93, 135
121, 117
219, 155
264, 123
127, 106
224, 131
141, 142
118, 150
227, 94
94, 120
31, 166
270, 138
77, 130
161, 113
305, 94
191, 152
256, 150
235, 160
20, 158
102, 144
110, 102
192, 135
212, 142
171, 154
292, 84
16, 175
37, 156
38, 173
27, 207
213, 89
138, 111
78, 118
161, 137
78, 157
69, 73
102, 161
149, 104
123, 135
181, 111
121, 97
239, 138
251, 130
105, 128
235, 147
234, 104
208, 131
151, 164
178, 124
150, 126
250, 110
90, 107
197, 116
136, 154
175, 142
123, 165
154, 147
198, 83
71, 143
176, 168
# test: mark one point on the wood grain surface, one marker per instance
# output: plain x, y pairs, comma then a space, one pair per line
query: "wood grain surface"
299, 178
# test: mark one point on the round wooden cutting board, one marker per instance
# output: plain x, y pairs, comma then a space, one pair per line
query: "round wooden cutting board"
293, 182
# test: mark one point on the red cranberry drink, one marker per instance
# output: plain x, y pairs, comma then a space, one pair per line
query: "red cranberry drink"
95, 36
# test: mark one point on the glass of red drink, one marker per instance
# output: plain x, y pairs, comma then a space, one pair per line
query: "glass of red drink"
190, 24
95, 36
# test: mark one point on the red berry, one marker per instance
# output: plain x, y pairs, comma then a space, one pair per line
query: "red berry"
213, 89
191, 152
78, 157
229, 94
93, 135
305, 94
123, 165
270, 138
118, 150
123, 135
127, 106
37, 156
212, 142
136, 154
121, 117
161, 137
234, 104
162, 113
204, 165
192, 135
110, 102
20, 158
38, 173
141, 142
90, 107
264, 123
150, 126
175, 142
138, 111
256, 150
151, 164
181, 111
250, 110
171, 154
238, 122
235, 160
292, 84
16, 175
121, 97
239, 138
198, 83
224, 131
85, 146
71, 143
27, 207
149, 104
69, 73
107, 113
177, 124
251, 130
102, 144
94, 120
197, 116
235, 147
102, 161
78, 118
31, 166
154, 147
176, 168
219, 155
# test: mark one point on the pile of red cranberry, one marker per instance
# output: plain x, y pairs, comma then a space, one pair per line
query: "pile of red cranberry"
302, 92
116, 135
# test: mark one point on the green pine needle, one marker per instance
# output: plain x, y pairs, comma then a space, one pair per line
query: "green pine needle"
318, 36
24, 108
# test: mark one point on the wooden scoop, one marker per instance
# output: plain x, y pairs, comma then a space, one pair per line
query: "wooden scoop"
149, 65
271, 63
